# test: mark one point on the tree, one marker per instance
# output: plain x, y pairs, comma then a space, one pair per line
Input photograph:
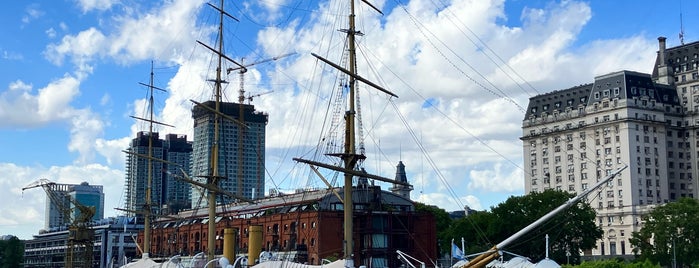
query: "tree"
442, 221
11, 253
669, 230
477, 229
572, 230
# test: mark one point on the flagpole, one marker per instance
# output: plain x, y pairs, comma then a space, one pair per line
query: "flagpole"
463, 248
451, 253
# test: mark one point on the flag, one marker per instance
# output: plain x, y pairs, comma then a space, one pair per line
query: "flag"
456, 253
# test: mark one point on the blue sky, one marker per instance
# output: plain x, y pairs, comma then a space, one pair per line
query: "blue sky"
70, 73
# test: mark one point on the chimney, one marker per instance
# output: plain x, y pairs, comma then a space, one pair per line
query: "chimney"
661, 50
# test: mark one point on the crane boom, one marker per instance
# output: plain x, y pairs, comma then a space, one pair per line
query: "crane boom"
243, 68
80, 240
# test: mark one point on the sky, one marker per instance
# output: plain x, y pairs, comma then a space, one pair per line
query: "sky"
463, 71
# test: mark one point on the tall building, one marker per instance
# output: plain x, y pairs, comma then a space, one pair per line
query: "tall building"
648, 122
84, 194
137, 172
574, 137
167, 192
177, 193
679, 67
241, 151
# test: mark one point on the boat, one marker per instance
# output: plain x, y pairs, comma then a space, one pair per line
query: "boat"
351, 157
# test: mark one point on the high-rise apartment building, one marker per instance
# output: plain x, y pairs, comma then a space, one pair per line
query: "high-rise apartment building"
177, 193
168, 194
241, 151
576, 136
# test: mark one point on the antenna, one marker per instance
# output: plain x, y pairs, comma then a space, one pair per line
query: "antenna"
681, 26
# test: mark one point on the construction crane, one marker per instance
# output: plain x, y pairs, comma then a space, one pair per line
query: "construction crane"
80, 236
243, 68
249, 97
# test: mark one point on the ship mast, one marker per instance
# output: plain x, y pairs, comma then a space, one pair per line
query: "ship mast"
149, 183
349, 156
214, 178
147, 207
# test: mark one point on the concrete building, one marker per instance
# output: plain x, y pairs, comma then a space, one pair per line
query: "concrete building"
575, 136
136, 181
168, 194
177, 194
114, 244
241, 152
678, 67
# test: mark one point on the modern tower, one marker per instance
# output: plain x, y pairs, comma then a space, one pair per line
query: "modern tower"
177, 193
168, 193
137, 173
84, 194
241, 151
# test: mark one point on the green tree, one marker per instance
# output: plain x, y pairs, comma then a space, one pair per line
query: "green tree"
476, 229
669, 230
572, 230
11, 253
442, 220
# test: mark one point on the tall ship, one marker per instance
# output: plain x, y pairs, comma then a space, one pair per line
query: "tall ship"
355, 223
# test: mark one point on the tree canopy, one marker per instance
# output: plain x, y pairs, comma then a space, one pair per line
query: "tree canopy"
571, 231
669, 230
11, 253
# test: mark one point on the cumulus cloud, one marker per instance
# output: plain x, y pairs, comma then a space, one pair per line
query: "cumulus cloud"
21, 107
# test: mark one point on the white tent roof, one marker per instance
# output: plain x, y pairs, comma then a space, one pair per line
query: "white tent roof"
289, 264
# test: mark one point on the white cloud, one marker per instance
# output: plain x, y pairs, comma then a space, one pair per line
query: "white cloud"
51, 32
86, 127
50, 104
81, 47
54, 99
496, 179
136, 37
100, 5
32, 12
447, 202
112, 150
